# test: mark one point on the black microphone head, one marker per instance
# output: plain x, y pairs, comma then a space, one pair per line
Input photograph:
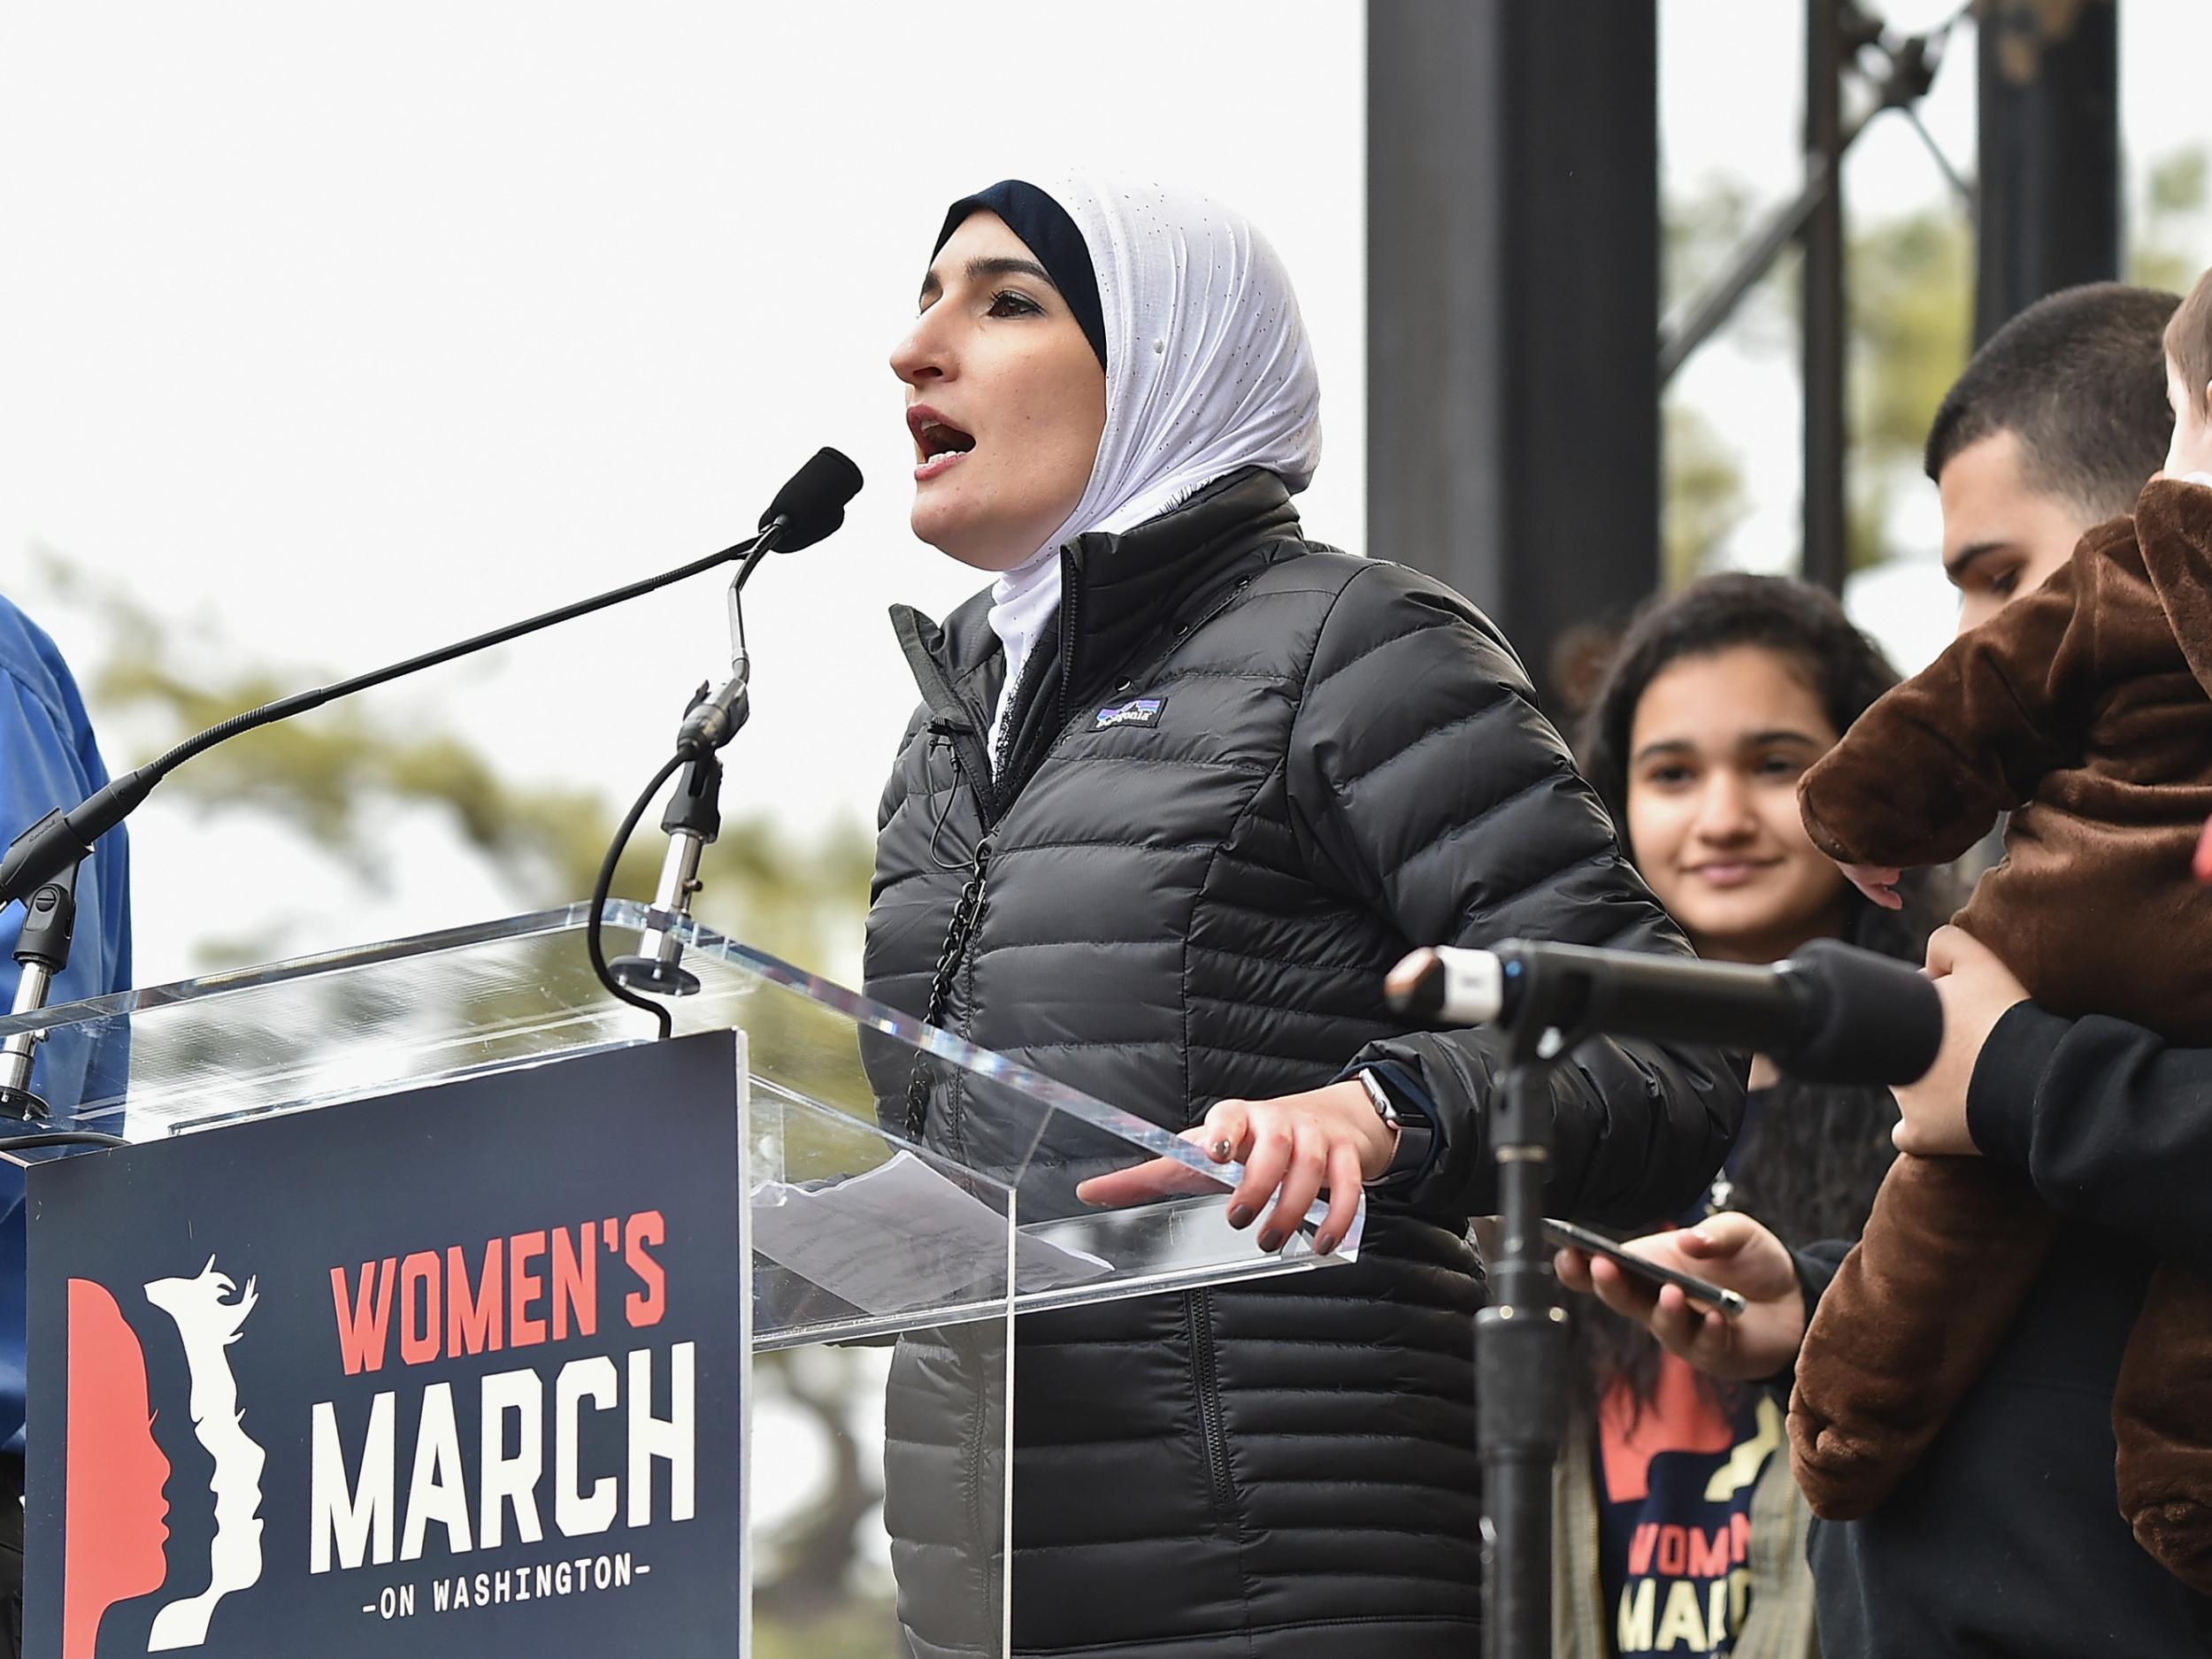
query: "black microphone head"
812, 504
1873, 1019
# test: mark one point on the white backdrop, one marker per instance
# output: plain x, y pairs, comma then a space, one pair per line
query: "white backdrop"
356, 328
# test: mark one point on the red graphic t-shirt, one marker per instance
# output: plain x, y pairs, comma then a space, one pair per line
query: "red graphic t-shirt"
1674, 1507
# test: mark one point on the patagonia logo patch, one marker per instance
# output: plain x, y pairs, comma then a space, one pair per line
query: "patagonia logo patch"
1136, 712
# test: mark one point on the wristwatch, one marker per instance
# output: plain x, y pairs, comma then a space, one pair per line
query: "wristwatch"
1415, 1133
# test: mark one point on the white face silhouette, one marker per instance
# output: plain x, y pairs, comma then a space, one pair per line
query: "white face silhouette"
208, 1323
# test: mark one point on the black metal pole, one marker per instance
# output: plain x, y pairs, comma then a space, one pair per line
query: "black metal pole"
1825, 552
1512, 265
2049, 202
1520, 1353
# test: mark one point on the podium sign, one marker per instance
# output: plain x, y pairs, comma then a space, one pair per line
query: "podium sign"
462, 1375
423, 1262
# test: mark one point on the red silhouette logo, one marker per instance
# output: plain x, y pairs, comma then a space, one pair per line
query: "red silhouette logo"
115, 1527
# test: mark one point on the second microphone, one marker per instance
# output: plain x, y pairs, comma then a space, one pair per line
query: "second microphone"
1829, 1014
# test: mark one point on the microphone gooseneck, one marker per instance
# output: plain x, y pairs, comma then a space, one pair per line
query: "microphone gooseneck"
810, 505
60, 839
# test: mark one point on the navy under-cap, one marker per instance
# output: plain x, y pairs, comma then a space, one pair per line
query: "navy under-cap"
1043, 225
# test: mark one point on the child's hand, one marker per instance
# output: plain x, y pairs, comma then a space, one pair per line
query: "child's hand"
2204, 854
1878, 882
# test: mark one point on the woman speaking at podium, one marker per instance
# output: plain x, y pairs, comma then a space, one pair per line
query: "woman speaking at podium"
1182, 786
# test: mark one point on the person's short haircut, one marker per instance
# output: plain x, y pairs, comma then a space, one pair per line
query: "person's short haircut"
2189, 341
2079, 378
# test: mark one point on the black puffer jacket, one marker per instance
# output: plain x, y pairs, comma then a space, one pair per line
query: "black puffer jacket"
1344, 762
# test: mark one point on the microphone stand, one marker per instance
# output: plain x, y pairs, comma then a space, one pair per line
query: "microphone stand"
693, 820
42, 951
1521, 1334
1520, 1350
1818, 1013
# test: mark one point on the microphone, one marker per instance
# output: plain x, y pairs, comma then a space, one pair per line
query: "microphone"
812, 504
808, 507
1829, 1014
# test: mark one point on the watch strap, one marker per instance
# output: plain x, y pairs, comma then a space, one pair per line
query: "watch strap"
1416, 1134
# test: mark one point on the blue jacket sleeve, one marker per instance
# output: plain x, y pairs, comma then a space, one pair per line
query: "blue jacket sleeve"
47, 761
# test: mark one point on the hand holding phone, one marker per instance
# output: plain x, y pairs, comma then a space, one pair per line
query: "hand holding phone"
1566, 1233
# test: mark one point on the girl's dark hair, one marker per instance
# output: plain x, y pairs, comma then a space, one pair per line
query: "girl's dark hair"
1801, 624
1810, 1166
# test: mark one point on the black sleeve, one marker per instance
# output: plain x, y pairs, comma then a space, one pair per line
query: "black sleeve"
1422, 772
1816, 1268
2111, 1126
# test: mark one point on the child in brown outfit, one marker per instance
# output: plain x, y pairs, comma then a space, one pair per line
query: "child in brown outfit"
2085, 710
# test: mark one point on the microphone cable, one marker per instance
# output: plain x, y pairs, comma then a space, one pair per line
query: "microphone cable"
595, 925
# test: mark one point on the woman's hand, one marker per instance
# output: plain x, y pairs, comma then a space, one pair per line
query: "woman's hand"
1730, 1250
1293, 1148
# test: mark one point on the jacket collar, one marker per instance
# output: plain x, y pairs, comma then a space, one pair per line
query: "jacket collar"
1130, 585
1119, 592
1126, 585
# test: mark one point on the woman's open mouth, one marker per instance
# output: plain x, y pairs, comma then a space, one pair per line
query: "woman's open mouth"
938, 443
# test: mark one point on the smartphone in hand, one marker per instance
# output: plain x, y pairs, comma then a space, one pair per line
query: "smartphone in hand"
1565, 1232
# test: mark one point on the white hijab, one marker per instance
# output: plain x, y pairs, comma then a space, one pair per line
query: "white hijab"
1208, 371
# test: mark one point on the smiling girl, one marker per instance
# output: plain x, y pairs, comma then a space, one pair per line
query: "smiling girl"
1718, 698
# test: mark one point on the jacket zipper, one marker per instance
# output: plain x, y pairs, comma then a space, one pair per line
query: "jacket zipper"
1071, 620
950, 718
1198, 1311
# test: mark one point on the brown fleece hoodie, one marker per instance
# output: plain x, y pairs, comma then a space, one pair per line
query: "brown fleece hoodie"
2084, 708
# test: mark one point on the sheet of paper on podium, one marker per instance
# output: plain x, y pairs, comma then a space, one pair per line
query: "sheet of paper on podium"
899, 1234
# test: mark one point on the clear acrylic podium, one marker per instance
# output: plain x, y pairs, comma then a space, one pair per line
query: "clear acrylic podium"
851, 1238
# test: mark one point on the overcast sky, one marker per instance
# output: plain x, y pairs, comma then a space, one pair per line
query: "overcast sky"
353, 329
